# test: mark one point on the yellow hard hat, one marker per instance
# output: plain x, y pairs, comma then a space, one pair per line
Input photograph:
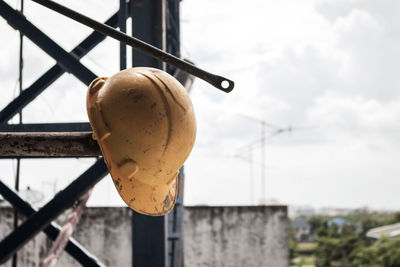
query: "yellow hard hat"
144, 122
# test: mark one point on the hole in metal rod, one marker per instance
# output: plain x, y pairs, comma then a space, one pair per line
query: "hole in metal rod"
225, 84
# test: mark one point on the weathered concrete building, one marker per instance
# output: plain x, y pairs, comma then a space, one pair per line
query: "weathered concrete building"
213, 236
236, 236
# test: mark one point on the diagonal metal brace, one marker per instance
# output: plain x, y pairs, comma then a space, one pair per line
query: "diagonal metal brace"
53, 73
63, 58
73, 248
41, 219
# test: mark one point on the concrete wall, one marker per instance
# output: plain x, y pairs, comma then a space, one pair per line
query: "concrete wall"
236, 236
213, 236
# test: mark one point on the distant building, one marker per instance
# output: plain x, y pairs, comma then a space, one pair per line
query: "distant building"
302, 230
298, 211
335, 211
391, 230
338, 221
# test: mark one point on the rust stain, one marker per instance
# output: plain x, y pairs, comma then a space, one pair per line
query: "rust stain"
167, 202
137, 98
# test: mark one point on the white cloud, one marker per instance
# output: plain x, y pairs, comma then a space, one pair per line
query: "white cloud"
331, 65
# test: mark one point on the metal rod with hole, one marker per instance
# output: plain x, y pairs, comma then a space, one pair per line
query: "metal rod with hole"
217, 81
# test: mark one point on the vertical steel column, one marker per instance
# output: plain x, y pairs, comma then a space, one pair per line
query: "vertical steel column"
14, 262
148, 24
175, 218
173, 32
175, 227
149, 234
122, 27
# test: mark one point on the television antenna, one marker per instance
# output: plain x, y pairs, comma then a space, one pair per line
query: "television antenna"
276, 130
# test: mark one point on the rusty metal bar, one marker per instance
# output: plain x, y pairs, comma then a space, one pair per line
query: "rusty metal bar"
47, 127
60, 144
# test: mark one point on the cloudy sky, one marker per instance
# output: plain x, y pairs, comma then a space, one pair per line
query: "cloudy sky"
325, 68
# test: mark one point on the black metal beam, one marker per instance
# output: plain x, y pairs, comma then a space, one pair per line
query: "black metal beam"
175, 217
41, 219
73, 248
122, 16
175, 227
173, 31
149, 234
53, 74
47, 127
63, 58
147, 25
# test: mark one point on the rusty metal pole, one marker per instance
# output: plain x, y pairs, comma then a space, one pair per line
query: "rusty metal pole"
32, 144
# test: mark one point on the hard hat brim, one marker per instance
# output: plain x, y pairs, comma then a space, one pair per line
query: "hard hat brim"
153, 200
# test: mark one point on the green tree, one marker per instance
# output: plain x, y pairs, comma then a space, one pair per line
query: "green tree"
336, 249
316, 222
385, 253
396, 217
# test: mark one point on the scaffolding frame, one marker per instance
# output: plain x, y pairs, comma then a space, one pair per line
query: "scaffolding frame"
156, 241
